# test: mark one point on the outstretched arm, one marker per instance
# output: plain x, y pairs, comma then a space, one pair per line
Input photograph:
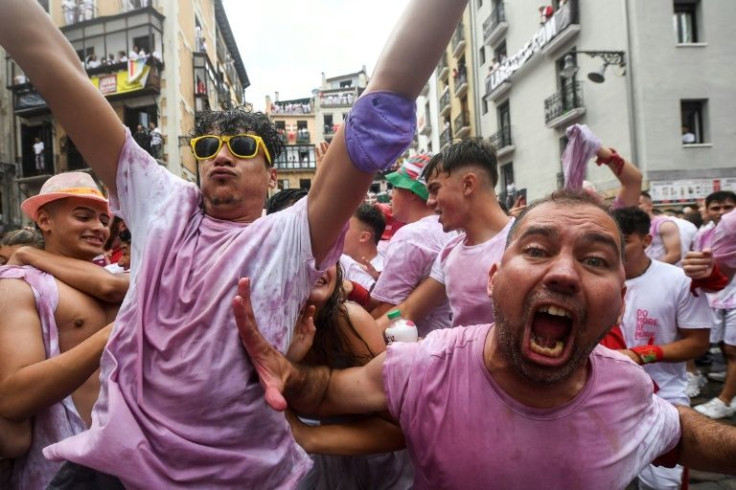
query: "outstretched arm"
52, 65
367, 436
419, 303
79, 274
706, 445
312, 390
408, 59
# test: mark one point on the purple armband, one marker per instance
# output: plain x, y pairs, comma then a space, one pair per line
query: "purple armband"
378, 129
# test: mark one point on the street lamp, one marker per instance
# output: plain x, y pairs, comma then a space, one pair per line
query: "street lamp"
570, 67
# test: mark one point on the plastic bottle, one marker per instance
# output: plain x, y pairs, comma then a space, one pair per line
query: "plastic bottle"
400, 329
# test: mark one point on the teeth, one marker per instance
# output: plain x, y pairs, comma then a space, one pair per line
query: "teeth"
555, 311
555, 351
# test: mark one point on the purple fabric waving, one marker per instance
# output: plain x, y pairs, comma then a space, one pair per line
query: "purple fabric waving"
582, 145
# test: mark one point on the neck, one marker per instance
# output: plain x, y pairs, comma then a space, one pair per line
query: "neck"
228, 212
415, 213
639, 268
56, 249
524, 391
485, 221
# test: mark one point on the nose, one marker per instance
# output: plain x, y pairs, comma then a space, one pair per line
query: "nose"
224, 157
563, 275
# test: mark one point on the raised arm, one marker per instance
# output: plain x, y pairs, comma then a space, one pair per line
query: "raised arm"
705, 444
312, 390
52, 65
85, 276
626, 173
408, 59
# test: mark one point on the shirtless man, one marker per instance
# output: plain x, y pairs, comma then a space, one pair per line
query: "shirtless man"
51, 334
529, 402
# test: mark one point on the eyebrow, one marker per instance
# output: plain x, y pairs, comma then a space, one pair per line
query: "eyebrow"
90, 210
603, 239
545, 231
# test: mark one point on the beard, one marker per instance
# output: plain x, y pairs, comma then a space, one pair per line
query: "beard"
511, 337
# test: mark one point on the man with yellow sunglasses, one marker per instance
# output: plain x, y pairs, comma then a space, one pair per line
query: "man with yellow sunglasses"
180, 402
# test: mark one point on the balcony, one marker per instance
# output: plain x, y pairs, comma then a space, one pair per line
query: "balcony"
564, 107
499, 91
445, 102
501, 140
461, 124
338, 97
302, 137
294, 107
442, 68
445, 138
458, 40
424, 126
562, 27
297, 158
461, 82
495, 26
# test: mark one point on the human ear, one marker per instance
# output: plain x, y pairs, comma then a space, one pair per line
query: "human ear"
491, 279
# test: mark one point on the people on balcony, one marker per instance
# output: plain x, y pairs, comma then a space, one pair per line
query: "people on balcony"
69, 7
86, 10
38, 150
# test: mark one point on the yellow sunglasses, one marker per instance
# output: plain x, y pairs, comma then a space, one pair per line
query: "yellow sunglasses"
240, 145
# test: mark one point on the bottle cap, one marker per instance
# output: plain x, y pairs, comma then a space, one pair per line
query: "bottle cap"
393, 314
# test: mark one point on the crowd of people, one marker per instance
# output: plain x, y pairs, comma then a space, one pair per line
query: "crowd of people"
236, 341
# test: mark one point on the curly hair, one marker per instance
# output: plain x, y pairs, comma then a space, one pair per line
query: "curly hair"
238, 120
331, 346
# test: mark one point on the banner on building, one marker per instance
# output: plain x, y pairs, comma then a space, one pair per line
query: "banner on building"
688, 190
123, 81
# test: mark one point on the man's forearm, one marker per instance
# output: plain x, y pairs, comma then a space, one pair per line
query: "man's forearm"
306, 388
85, 276
705, 444
34, 387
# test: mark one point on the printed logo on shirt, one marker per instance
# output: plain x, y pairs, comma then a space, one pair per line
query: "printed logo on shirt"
646, 327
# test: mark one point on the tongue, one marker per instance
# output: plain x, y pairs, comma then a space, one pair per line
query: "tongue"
548, 329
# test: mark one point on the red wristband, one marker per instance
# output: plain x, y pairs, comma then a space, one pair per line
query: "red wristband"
615, 161
648, 353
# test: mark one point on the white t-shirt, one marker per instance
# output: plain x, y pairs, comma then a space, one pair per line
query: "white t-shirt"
464, 271
38, 148
687, 235
156, 138
408, 261
658, 303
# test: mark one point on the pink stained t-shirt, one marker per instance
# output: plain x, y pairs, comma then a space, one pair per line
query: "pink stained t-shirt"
464, 271
724, 241
464, 431
180, 404
409, 258
709, 236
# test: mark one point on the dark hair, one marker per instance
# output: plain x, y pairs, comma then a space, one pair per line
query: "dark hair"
632, 221
331, 345
234, 121
373, 217
646, 194
472, 151
114, 227
24, 236
720, 196
284, 199
563, 197
125, 236
695, 218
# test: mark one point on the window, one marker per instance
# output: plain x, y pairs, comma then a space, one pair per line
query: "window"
329, 124
694, 117
482, 55
305, 183
484, 104
346, 84
283, 184
280, 125
301, 125
504, 115
508, 187
499, 54
686, 21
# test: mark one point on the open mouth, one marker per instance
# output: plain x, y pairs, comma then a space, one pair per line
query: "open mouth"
321, 282
550, 331
93, 241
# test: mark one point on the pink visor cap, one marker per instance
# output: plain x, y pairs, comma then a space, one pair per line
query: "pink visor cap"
60, 186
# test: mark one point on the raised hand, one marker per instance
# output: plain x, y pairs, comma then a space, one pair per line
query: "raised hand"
368, 267
319, 152
272, 367
698, 265
303, 335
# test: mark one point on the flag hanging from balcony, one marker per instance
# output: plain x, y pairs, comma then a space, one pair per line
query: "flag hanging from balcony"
137, 71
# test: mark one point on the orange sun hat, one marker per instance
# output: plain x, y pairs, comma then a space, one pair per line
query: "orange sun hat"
60, 186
